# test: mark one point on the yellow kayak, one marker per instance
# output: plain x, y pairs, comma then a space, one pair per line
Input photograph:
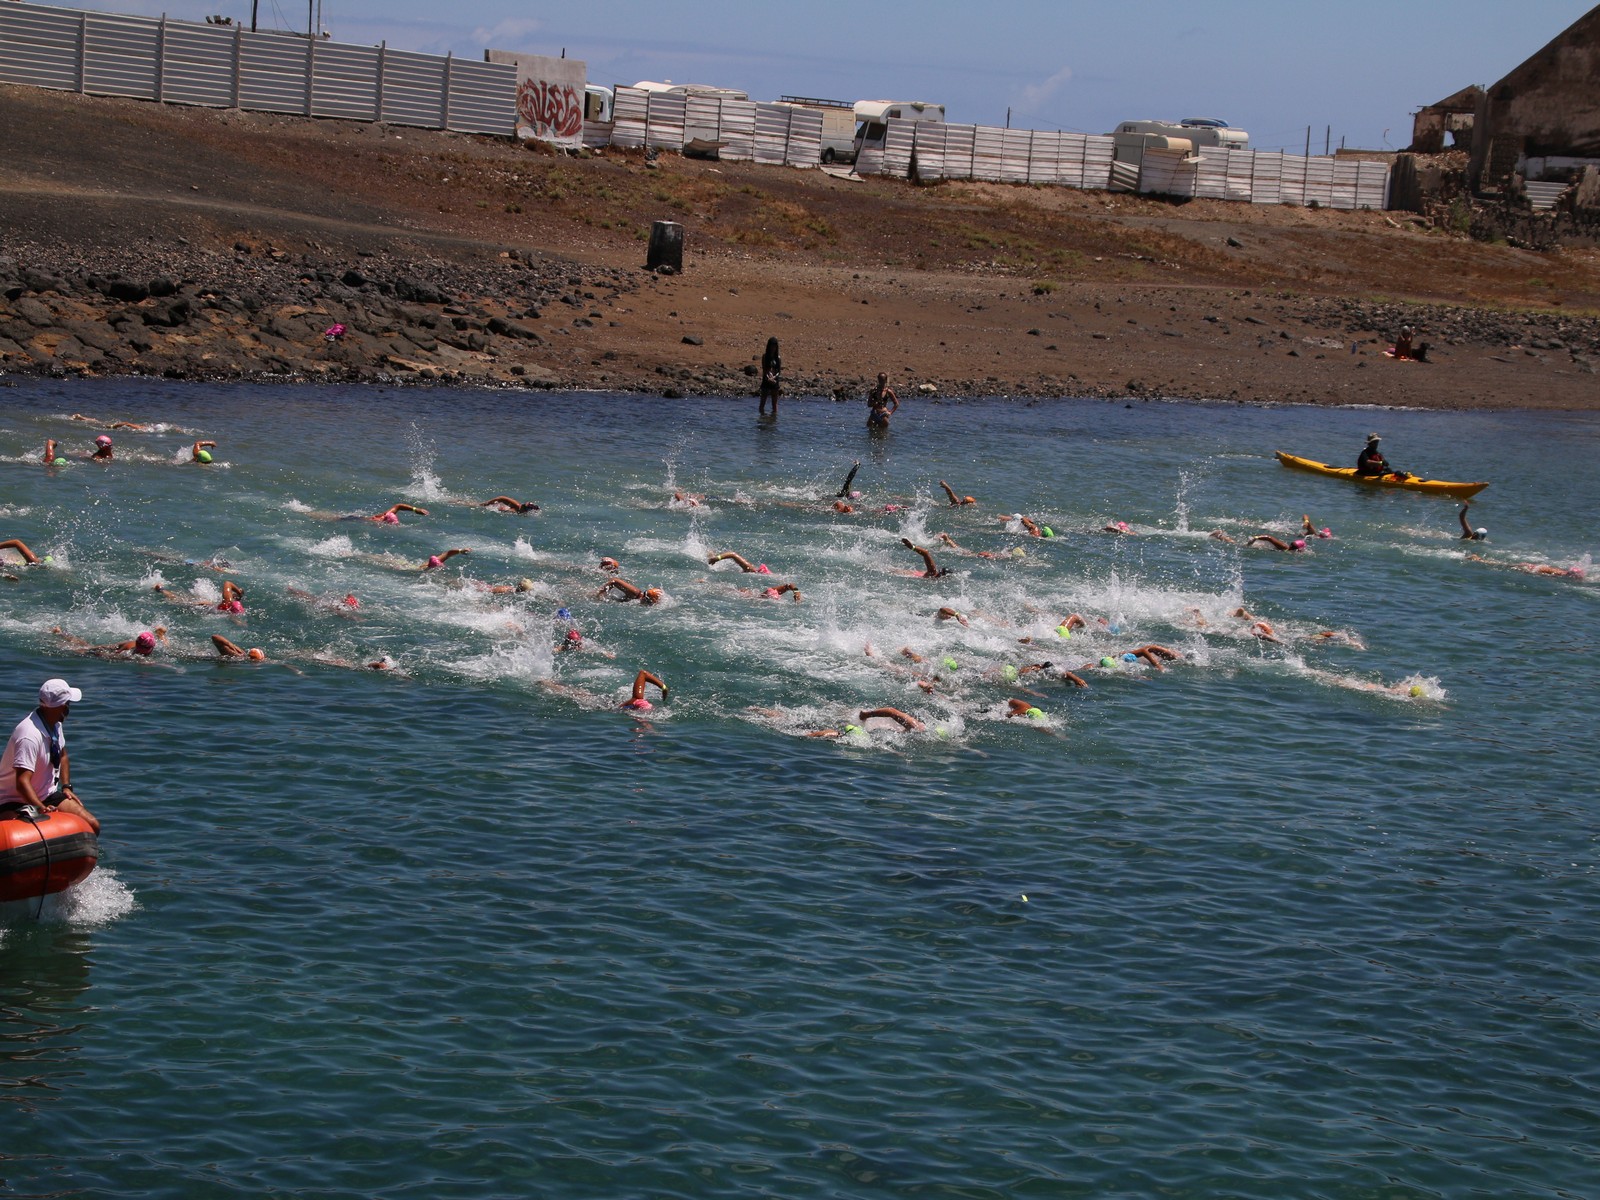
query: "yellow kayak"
1439, 487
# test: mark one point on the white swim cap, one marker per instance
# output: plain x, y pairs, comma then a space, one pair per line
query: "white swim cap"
1479, 534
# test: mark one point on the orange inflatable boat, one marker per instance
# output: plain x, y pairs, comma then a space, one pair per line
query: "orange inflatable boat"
42, 853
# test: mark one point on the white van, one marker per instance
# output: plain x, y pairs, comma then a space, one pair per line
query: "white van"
872, 117
838, 126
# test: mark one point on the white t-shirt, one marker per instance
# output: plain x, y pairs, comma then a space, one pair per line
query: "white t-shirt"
29, 748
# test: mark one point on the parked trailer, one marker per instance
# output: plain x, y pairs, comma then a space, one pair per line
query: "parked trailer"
872, 117
838, 126
1133, 138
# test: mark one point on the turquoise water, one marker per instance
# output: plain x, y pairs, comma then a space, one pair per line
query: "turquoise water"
1294, 919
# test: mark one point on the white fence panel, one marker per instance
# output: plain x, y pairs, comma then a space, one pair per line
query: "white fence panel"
897, 146
272, 73
1069, 162
197, 67
1211, 174
40, 47
597, 134
960, 150
772, 134
482, 97
1237, 182
988, 152
1044, 158
346, 82
1342, 193
702, 119
1015, 145
1266, 177
739, 130
1098, 152
930, 139
664, 128
630, 110
120, 56
804, 145
1319, 180
1166, 173
1372, 185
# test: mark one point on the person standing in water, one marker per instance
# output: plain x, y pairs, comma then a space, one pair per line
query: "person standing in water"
884, 404
771, 377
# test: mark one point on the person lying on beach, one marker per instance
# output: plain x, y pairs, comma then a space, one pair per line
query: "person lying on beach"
438, 560
951, 542
627, 591
738, 560
141, 646
932, 570
17, 544
955, 500
844, 488
507, 504
636, 699
1468, 533
1278, 543
200, 452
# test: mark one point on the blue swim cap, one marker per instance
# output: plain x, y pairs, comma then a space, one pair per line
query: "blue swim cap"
1130, 657
563, 614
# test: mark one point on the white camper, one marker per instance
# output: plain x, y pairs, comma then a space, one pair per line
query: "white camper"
1133, 138
872, 117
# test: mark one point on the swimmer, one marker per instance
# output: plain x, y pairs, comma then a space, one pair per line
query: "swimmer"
1258, 627
51, 456
229, 650
1311, 530
628, 591
774, 593
839, 506
738, 560
1468, 533
844, 489
17, 544
688, 499
951, 542
1153, 654
883, 403
905, 720
610, 566
932, 568
636, 700
1021, 708
1117, 527
187, 599
102, 449
113, 425
506, 589
141, 646
438, 560
232, 598
200, 452
344, 607
1222, 537
507, 504
955, 500
947, 613
1277, 543
391, 515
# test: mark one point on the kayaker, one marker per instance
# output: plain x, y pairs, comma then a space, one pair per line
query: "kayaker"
1371, 461
1468, 533
36, 770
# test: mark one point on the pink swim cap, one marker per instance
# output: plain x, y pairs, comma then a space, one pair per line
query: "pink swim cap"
350, 601
1122, 525
390, 518
763, 570
1299, 543
771, 593
234, 606
891, 508
574, 636
435, 561
102, 440
144, 643
855, 495
640, 704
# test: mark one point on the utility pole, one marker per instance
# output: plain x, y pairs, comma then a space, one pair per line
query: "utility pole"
254, 5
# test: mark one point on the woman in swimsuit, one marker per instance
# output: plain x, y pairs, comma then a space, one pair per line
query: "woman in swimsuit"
884, 404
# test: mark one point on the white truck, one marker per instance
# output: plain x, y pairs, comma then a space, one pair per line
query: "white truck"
872, 117
1133, 138
838, 126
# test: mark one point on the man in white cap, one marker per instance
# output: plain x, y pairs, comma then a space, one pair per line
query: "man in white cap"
35, 770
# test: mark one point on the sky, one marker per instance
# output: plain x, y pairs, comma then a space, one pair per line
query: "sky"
1352, 71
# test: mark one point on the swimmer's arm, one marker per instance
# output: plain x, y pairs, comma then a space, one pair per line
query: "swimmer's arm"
226, 648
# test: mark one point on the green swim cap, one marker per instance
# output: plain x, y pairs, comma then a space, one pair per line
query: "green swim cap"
849, 729
59, 462
1416, 689
1034, 714
49, 558
1008, 673
204, 456
1108, 662
1063, 632
1048, 532
951, 664
1019, 552
941, 731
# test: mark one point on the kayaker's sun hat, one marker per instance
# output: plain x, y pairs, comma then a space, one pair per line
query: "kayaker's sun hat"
1372, 437
53, 693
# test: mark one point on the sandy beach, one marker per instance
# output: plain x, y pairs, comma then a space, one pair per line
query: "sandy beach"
194, 243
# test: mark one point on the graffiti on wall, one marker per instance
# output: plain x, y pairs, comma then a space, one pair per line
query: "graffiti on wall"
550, 110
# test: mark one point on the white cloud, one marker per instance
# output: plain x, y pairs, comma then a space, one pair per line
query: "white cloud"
1034, 95
508, 34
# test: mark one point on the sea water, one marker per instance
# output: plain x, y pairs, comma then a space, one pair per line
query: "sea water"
1305, 917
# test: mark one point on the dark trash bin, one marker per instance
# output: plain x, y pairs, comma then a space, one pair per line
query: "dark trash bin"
666, 246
